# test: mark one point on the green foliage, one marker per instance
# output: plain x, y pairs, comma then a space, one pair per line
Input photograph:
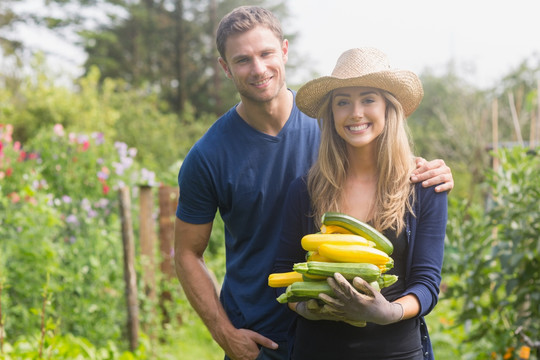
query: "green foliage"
132, 116
166, 46
28, 253
59, 220
70, 148
67, 347
455, 121
495, 256
60, 231
189, 339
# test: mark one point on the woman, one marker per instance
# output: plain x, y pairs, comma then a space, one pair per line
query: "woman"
363, 169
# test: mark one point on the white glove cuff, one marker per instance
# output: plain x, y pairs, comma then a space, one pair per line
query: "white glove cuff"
402, 311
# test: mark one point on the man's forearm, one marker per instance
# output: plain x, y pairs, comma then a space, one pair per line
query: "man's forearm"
202, 295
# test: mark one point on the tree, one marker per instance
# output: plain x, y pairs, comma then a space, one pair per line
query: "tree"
169, 46
164, 45
451, 108
454, 121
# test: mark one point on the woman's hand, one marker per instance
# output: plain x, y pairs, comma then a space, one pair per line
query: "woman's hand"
360, 303
311, 310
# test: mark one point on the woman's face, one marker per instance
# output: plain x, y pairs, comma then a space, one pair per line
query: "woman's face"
359, 114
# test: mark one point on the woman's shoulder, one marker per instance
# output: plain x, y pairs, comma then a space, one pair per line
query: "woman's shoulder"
429, 191
427, 197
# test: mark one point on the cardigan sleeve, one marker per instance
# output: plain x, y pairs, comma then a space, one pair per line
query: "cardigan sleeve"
426, 233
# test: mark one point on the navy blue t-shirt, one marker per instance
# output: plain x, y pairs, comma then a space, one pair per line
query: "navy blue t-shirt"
245, 174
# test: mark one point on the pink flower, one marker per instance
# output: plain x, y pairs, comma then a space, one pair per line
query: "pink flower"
22, 156
30, 199
9, 171
72, 219
100, 138
15, 198
85, 145
17, 146
7, 134
59, 130
106, 189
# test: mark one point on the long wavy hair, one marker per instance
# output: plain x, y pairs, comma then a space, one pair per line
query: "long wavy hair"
395, 162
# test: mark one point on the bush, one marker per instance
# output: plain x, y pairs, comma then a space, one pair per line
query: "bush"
494, 255
58, 221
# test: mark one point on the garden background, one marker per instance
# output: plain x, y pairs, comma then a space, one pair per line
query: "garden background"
150, 89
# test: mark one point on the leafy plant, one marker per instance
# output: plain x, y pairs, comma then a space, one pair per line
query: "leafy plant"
495, 256
59, 221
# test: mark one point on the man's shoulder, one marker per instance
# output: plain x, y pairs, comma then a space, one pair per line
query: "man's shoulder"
217, 131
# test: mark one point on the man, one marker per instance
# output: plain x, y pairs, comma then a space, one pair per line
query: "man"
242, 167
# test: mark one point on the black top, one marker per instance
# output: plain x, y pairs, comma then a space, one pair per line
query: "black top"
332, 340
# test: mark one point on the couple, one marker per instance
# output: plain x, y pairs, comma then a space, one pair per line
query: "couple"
271, 172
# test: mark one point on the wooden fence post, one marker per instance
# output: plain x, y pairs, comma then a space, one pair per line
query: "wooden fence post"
148, 250
495, 132
515, 118
168, 200
534, 120
130, 275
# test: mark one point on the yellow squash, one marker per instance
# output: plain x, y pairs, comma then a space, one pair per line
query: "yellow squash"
354, 253
284, 279
311, 242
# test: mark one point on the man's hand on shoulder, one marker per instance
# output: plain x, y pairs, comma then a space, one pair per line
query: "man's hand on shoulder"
432, 173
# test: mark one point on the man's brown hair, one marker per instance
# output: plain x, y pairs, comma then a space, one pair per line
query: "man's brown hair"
242, 19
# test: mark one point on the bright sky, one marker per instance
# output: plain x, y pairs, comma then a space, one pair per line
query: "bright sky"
486, 39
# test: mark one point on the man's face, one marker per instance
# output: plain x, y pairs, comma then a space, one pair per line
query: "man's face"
255, 61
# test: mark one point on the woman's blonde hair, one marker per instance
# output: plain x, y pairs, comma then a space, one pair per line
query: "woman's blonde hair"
394, 194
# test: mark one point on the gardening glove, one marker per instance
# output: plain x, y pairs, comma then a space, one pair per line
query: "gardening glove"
311, 310
361, 302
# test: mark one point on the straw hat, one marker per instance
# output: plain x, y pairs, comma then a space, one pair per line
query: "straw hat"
366, 67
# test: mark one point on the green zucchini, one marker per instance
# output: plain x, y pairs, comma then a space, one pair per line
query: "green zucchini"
386, 280
366, 271
303, 291
359, 228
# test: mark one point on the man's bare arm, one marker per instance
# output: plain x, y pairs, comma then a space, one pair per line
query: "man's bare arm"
190, 243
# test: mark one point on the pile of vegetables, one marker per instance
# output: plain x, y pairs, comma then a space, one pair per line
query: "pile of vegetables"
344, 245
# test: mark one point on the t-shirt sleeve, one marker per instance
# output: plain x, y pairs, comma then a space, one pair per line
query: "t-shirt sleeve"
197, 201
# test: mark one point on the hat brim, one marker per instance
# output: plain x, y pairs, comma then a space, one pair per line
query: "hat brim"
403, 84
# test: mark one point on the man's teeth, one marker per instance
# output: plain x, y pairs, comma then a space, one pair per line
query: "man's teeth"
262, 82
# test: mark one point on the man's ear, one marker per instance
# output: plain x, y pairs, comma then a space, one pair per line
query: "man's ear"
285, 50
225, 67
